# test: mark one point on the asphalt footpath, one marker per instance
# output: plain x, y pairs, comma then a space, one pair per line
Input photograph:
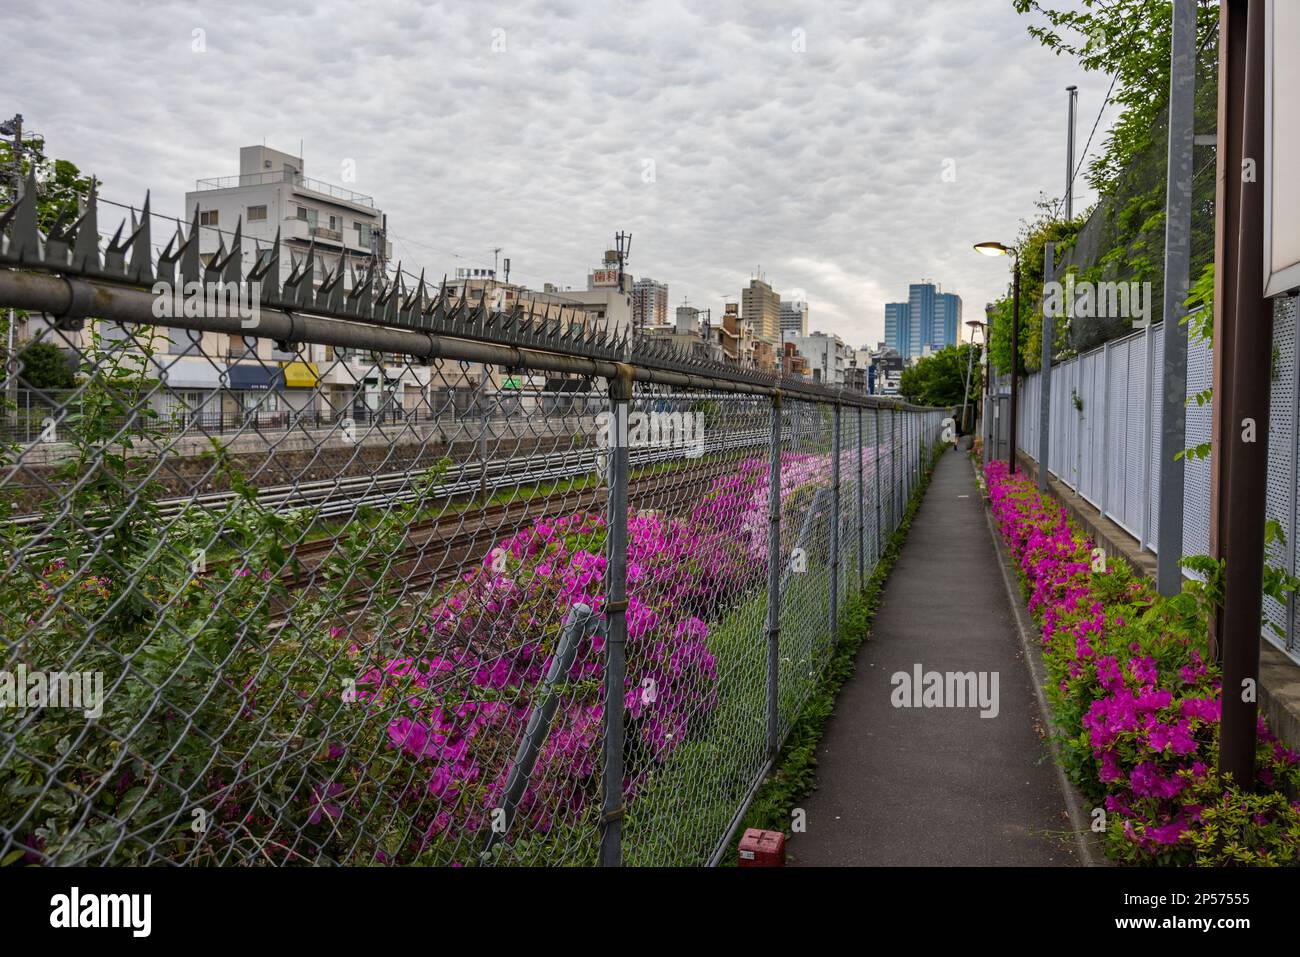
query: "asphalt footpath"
910, 773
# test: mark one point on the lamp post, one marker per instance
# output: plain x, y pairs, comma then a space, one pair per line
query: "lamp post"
1000, 249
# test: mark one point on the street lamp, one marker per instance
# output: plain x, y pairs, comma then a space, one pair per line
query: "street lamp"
1001, 249
975, 326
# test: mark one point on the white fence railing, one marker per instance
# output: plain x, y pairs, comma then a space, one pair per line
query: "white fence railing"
1103, 442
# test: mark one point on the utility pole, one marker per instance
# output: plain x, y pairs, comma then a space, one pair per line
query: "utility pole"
15, 126
1178, 225
1244, 326
623, 248
1045, 371
378, 241
1073, 93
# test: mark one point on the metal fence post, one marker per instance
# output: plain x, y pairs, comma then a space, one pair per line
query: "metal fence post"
835, 524
862, 528
612, 810
483, 442
1148, 403
1105, 429
1178, 224
913, 461
774, 579
1045, 373
875, 471
893, 473
905, 463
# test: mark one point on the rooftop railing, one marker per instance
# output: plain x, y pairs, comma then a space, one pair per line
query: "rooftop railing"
285, 176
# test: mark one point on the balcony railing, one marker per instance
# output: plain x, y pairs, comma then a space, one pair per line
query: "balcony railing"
285, 176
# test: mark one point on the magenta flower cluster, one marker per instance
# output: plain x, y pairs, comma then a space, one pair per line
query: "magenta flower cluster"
457, 715
1137, 701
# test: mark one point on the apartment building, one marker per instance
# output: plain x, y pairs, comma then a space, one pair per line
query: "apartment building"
649, 303
270, 196
794, 317
827, 356
760, 308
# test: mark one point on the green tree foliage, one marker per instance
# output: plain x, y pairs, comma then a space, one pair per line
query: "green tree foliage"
45, 366
1030, 245
1122, 239
1129, 40
940, 379
59, 183
59, 187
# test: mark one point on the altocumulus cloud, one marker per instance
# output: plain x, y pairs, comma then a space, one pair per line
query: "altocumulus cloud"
807, 139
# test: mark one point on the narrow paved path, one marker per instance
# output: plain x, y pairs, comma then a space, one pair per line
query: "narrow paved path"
939, 785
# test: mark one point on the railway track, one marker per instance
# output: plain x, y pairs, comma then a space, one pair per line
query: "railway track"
334, 498
438, 549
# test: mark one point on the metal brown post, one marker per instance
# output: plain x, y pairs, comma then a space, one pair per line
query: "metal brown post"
1248, 325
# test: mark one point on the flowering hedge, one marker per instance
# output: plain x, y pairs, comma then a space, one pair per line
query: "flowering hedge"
1137, 700
456, 715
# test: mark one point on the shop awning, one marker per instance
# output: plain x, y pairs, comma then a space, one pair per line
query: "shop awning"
253, 377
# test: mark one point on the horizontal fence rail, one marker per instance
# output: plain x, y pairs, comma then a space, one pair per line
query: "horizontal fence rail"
505, 593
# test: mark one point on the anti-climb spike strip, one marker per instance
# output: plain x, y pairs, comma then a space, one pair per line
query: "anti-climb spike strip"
141, 244
114, 255
191, 264
25, 237
233, 266
59, 239
266, 271
74, 249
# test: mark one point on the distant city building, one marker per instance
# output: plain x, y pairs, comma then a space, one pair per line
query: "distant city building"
649, 303
898, 327
760, 308
690, 335
793, 365
920, 308
858, 374
928, 321
794, 317
827, 356
687, 320
947, 320
887, 371
729, 333
214, 374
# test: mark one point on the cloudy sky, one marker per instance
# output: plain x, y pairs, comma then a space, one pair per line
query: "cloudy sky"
808, 139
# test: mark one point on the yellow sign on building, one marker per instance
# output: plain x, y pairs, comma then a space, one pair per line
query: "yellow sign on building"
300, 375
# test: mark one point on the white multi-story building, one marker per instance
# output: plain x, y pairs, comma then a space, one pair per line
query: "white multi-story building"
649, 303
794, 317
827, 355
270, 196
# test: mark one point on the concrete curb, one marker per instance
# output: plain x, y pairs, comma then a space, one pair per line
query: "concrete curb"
1088, 844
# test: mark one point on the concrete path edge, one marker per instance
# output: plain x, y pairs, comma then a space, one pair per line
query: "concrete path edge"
1088, 844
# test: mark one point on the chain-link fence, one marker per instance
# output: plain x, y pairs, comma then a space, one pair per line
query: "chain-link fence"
384, 595
1104, 442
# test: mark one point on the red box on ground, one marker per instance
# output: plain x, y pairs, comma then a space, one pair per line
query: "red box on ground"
762, 848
